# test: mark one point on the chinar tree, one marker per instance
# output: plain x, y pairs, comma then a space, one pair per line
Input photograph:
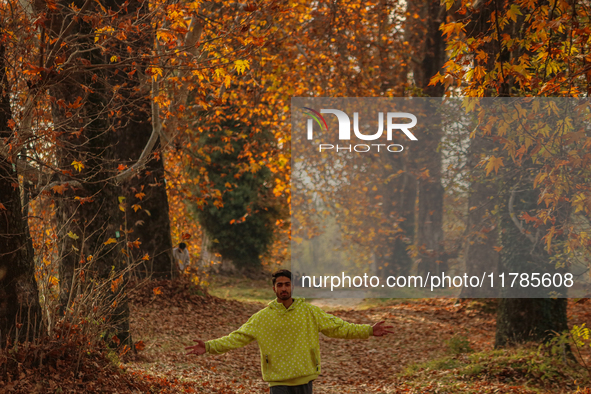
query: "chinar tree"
238, 213
517, 49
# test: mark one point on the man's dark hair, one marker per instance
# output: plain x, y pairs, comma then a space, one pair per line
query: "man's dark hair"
280, 273
182, 245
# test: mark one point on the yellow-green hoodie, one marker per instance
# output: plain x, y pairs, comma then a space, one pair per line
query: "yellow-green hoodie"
288, 340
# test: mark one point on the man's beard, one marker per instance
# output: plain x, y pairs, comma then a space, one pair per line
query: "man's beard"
284, 296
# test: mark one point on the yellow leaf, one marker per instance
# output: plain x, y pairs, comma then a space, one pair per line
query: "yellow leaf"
579, 202
156, 72
113, 59
513, 12
494, 163
241, 65
219, 72
549, 236
72, 235
110, 241
136, 207
164, 35
78, 165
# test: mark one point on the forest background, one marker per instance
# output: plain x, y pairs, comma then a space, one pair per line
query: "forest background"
129, 127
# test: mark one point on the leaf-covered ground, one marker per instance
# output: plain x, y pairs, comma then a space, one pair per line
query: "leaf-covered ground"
439, 347
419, 358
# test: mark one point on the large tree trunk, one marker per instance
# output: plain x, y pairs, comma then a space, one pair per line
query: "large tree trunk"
147, 210
89, 217
536, 317
482, 231
428, 62
20, 312
150, 223
392, 256
399, 198
93, 232
518, 319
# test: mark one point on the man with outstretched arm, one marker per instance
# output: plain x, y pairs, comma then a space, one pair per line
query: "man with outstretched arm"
287, 334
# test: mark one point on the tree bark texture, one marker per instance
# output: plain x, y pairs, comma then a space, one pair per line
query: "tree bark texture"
537, 317
20, 312
147, 210
428, 60
482, 226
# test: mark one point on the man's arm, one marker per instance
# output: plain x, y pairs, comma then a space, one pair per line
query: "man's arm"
241, 337
335, 327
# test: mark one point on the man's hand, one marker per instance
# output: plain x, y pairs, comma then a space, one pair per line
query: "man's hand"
379, 330
198, 349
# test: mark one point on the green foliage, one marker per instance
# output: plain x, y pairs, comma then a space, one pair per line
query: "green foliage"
581, 336
551, 365
113, 358
238, 215
542, 367
242, 289
458, 344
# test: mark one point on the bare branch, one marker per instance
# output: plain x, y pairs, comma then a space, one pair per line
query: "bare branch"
61, 183
514, 218
51, 56
156, 132
191, 39
32, 174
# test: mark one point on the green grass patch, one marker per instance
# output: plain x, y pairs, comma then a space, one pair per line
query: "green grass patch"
458, 344
530, 367
241, 289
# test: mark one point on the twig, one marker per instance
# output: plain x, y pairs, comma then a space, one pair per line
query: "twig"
514, 218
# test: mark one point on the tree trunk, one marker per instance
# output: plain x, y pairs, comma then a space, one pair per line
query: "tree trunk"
399, 198
430, 191
146, 201
519, 319
90, 218
208, 257
92, 232
536, 317
482, 228
20, 312
425, 35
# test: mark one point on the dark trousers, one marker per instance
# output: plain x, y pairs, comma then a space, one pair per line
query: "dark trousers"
301, 389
